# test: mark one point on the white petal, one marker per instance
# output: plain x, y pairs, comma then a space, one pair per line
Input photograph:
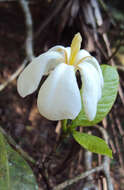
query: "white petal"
59, 96
91, 89
59, 49
62, 50
81, 54
30, 77
68, 50
95, 63
56, 48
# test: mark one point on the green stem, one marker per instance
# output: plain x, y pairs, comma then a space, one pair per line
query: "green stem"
64, 126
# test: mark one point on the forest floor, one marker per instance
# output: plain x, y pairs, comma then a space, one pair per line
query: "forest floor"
20, 117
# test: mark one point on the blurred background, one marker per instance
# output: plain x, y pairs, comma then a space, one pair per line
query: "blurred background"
29, 28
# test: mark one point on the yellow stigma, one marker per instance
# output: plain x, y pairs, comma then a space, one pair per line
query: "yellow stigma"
75, 47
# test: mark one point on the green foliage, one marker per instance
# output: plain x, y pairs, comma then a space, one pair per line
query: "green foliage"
15, 173
92, 143
109, 94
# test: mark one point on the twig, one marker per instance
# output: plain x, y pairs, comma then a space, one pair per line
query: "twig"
89, 17
103, 5
112, 146
116, 121
14, 75
77, 178
120, 67
105, 124
121, 94
106, 160
81, 150
116, 51
28, 21
97, 12
107, 43
88, 166
117, 142
17, 147
113, 64
58, 131
119, 125
28, 44
50, 18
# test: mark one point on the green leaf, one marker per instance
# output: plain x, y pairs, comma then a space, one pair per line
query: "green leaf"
15, 173
92, 143
109, 93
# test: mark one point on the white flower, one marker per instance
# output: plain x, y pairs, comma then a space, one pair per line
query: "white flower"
59, 96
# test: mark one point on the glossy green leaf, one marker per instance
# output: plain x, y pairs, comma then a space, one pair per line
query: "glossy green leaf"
109, 94
92, 143
15, 173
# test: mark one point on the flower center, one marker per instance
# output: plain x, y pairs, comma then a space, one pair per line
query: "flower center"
75, 48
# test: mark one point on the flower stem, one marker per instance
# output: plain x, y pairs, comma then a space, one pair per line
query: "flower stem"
64, 126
